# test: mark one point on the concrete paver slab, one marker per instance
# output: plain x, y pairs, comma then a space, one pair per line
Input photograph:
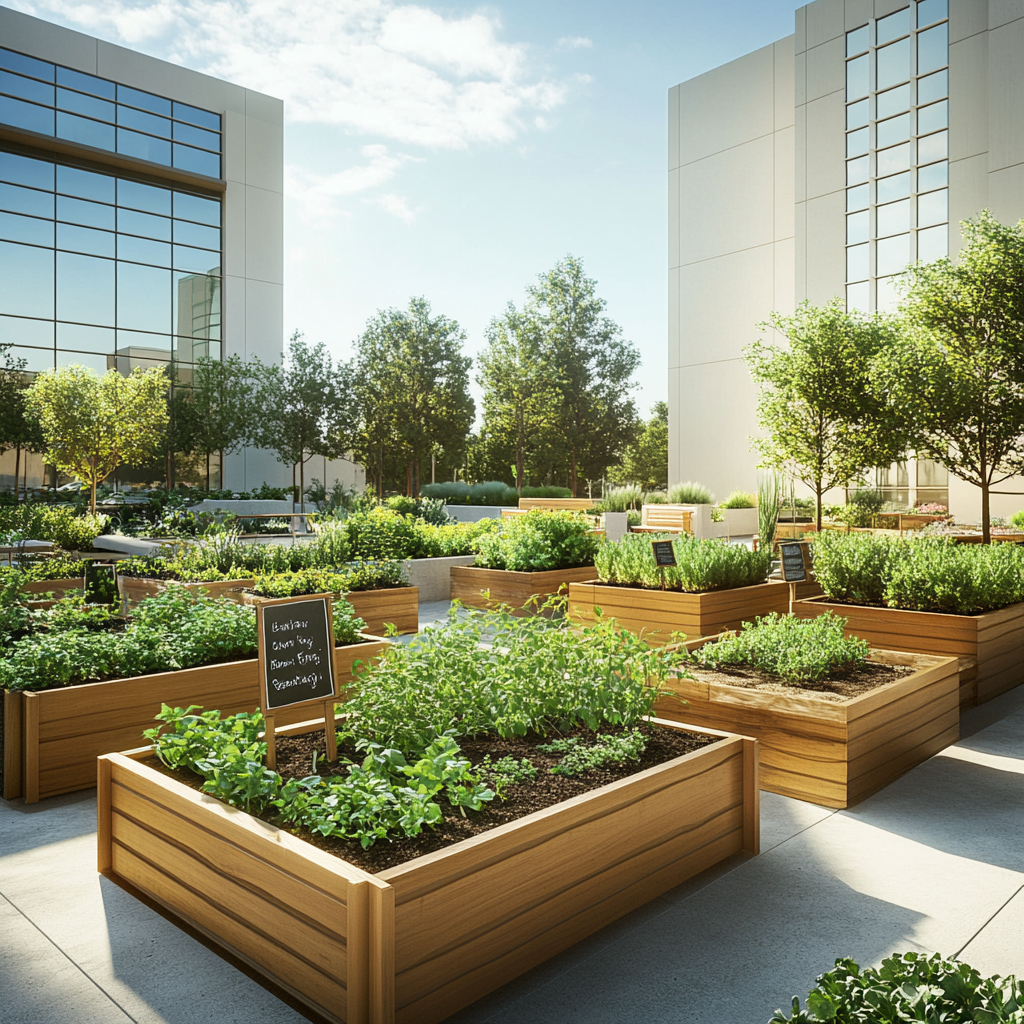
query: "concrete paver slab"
999, 946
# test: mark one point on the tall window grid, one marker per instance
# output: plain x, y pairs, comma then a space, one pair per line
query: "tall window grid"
897, 149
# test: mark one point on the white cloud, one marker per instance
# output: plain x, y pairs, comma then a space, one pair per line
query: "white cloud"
377, 68
396, 205
575, 43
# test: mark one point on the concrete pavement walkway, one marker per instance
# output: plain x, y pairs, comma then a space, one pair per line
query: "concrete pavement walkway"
935, 863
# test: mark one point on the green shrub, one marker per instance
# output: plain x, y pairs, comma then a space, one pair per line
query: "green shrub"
908, 987
492, 492
1017, 519
851, 567
331, 544
740, 499
381, 533
68, 527
57, 567
622, 499
799, 651
702, 565
689, 493
538, 541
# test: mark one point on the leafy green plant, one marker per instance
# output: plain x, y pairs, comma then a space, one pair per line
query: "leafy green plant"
799, 651
740, 499
769, 493
538, 541
355, 576
909, 987
57, 567
852, 567
622, 499
580, 758
507, 771
702, 565
689, 493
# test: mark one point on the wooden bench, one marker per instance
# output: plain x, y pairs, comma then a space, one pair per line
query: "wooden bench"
556, 504
665, 519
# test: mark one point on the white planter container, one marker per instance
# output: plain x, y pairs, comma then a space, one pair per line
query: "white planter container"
433, 575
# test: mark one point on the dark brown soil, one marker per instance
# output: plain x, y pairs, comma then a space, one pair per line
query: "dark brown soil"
295, 760
838, 687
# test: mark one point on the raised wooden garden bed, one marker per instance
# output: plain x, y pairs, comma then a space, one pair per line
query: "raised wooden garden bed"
134, 590
36, 591
516, 589
834, 753
51, 738
657, 614
990, 647
417, 942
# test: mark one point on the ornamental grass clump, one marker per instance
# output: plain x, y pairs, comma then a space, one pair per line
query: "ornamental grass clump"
537, 542
799, 651
702, 565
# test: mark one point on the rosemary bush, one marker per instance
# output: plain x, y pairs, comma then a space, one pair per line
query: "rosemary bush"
538, 541
701, 564
689, 493
852, 567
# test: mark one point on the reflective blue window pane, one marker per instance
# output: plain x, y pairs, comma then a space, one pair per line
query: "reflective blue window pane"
933, 208
933, 147
857, 142
196, 306
896, 187
37, 360
143, 250
74, 181
931, 10
136, 345
895, 101
896, 129
856, 41
144, 224
16, 228
85, 83
16, 330
933, 48
203, 118
26, 200
196, 261
934, 87
99, 363
857, 262
144, 197
26, 280
143, 298
85, 289
933, 176
933, 243
26, 88
858, 197
128, 117
857, 115
188, 159
26, 65
196, 136
26, 116
84, 131
892, 255
931, 118
897, 158
857, 84
893, 218
79, 211
857, 227
857, 170
143, 147
26, 170
196, 235
82, 338
87, 240
197, 208
78, 103
145, 100
893, 63
892, 27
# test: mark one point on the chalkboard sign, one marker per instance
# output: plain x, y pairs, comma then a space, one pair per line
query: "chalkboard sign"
664, 553
794, 566
296, 652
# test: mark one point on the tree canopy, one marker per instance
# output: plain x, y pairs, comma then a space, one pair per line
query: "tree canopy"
645, 460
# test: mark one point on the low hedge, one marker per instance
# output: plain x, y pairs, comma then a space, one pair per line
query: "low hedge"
538, 541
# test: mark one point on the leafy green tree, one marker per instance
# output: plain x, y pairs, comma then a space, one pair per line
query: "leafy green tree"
19, 429
959, 374
412, 388
645, 461
93, 424
222, 408
304, 406
590, 366
825, 419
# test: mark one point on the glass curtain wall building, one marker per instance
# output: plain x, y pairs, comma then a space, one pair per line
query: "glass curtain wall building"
819, 167
119, 178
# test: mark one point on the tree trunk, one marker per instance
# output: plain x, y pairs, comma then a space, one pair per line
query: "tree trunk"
302, 481
92, 500
207, 470
986, 529
222, 487
17, 469
572, 476
167, 470
817, 494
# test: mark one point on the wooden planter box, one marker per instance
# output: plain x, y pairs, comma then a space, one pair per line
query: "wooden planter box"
657, 614
135, 590
51, 738
59, 588
833, 753
989, 646
399, 606
515, 589
417, 942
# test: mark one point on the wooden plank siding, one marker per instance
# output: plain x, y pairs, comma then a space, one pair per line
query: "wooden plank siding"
397, 605
556, 504
833, 753
657, 614
988, 646
515, 589
419, 941
134, 590
61, 732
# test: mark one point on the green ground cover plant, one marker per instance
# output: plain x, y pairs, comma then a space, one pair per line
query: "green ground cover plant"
702, 565
909, 987
537, 542
928, 574
482, 673
579, 757
798, 651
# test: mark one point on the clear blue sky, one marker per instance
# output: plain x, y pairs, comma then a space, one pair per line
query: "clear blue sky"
457, 151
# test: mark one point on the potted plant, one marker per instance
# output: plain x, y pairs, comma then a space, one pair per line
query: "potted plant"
528, 559
929, 596
836, 721
412, 929
713, 586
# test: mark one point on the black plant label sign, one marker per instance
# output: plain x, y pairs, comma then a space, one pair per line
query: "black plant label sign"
794, 568
664, 553
296, 652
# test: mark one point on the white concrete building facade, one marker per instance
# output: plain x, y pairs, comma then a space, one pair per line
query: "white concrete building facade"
819, 166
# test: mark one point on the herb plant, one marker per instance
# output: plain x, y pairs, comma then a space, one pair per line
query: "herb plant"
689, 493
740, 499
580, 757
538, 541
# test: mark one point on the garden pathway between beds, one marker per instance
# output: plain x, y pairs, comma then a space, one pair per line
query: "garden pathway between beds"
934, 862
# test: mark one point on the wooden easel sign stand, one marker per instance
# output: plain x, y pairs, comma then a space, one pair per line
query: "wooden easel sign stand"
795, 566
664, 555
296, 662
